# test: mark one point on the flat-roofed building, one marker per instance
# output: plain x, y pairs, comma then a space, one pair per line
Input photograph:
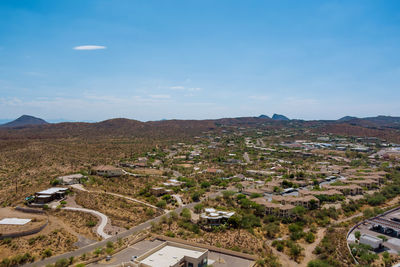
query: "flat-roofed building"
306, 201
159, 191
214, 217
171, 254
172, 182
274, 208
368, 183
351, 189
107, 171
70, 179
331, 192
49, 195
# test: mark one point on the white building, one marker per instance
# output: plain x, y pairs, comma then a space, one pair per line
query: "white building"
374, 242
170, 254
214, 217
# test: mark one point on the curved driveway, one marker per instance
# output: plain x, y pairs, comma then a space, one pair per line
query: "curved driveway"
103, 220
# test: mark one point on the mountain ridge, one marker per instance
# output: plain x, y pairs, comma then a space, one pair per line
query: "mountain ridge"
24, 120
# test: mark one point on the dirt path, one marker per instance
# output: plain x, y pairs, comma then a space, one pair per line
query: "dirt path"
283, 258
80, 187
308, 250
350, 218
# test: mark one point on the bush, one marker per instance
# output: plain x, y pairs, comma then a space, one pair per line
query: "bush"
91, 224
47, 253
55, 182
186, 215
149, 212
170, 234
198, 208
196, 196
357, 234
161, 204
61, 263
310, 237
110, 244
318, 263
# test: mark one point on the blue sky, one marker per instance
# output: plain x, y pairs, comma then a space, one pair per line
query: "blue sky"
199, 59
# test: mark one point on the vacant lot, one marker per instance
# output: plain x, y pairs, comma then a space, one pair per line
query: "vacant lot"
122, 212
52, 242
80, 222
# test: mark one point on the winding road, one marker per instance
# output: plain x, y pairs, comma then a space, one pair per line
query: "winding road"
103, 220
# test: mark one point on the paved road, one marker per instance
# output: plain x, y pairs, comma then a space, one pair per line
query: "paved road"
92, 247
103, 220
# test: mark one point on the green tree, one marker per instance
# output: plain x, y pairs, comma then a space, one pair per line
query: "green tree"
357, 234
161, 204
198, 208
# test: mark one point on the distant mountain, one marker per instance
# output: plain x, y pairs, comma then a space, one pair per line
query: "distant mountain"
264, 116
2, 121
347, 118
24, 120
279, 117
385, 127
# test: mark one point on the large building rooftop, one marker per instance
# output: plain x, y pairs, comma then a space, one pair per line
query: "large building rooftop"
170, 255
52, 190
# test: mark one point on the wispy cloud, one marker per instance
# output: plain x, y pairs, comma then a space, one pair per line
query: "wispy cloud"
183, 88
89, 47
160, 96
177, 88
259, 97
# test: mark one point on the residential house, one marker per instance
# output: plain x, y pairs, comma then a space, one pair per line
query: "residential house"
159, 191
48, 195
331, 192
304, 201
70, 179
212, 217
351, 189
107, 171
367, 183
274, 208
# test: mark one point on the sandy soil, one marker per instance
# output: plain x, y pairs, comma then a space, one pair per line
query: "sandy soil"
122, 212
37, 220
78, 222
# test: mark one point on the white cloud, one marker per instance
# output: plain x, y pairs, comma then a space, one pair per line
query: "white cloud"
160, 96
259, 97
183, 88
89, 47
177, 88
